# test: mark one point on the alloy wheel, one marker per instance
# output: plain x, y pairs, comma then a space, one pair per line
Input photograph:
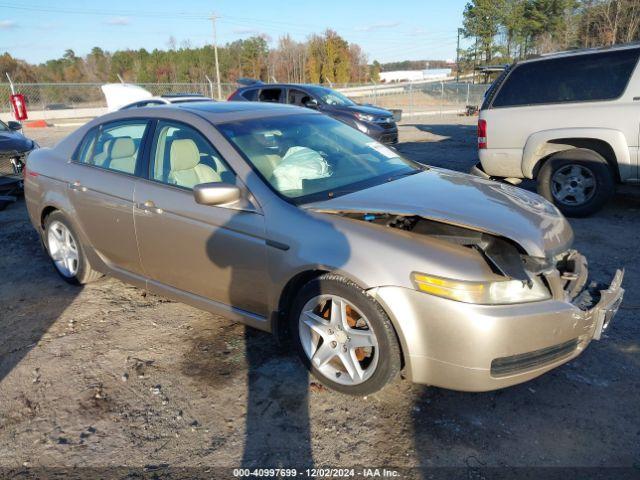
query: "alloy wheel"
63, 249
338, 340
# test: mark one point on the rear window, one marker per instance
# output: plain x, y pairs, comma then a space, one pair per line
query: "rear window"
250, 94
581, 78
270, 95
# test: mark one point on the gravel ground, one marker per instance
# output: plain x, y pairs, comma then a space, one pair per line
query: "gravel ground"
106, 375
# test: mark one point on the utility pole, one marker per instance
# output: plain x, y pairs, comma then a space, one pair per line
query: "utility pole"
215, 51
458, 57
475, 59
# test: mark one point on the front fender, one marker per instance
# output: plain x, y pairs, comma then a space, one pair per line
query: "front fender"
538, 147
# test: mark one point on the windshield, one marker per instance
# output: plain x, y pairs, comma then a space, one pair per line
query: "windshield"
312, 157
331, 97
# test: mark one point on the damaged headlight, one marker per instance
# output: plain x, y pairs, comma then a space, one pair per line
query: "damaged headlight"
482, 293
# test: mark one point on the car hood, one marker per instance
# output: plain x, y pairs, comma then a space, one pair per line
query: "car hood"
368, 110
13, 141
467, 201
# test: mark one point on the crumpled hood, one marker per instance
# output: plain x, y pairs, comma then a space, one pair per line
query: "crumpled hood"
468, 201
13, 141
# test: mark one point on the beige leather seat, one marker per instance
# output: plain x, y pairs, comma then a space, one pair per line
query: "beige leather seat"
122, 155
186, 169
101, 157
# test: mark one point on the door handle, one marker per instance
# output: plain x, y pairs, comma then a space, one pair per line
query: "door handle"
77, 186
149, 206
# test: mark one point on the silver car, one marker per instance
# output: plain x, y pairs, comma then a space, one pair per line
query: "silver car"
294, 223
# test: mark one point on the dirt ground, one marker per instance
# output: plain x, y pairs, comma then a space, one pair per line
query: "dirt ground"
106, 376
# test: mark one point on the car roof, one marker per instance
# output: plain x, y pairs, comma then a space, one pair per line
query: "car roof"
222, 112
581, 51
281, 85
178, 96
213, 112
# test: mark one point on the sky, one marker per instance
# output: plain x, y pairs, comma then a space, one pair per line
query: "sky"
387, 30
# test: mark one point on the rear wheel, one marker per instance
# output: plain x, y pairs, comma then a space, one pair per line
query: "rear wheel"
579, 182
66, 252
344, 337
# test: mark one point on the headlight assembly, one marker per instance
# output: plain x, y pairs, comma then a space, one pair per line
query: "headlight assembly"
363, 117
482, 293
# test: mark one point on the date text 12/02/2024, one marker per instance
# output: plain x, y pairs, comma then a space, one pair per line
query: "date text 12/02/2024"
317, 472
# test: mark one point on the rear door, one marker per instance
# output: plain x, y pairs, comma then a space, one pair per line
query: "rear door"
104, 177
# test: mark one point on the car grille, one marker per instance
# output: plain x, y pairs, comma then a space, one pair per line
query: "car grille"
6, 167
503, 366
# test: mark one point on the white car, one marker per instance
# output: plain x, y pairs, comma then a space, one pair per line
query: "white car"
168, 100
569, 120
124, 96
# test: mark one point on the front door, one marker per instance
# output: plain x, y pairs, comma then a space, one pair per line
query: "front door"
215, 252
101, 191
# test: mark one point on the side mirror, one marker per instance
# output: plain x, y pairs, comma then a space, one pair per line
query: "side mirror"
15, 126
311, 103
216, 193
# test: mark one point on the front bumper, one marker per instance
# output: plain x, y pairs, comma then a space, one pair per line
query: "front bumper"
469, 347
387, 134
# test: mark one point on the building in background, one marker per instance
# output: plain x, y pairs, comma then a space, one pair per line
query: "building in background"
415, 75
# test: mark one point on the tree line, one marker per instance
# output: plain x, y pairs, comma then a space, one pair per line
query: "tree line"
507, 30
322, 58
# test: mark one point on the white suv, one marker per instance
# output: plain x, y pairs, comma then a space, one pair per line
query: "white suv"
570, 120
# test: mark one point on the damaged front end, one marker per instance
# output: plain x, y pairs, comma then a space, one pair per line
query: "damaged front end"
503, 256
564, 275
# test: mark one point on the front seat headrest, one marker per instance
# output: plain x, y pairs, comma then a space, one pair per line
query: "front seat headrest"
184, 154
122, 147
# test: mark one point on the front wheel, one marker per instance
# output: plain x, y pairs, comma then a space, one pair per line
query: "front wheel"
344, 337
579, 182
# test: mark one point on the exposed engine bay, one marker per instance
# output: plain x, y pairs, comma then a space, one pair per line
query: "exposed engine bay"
565, 274
504, 257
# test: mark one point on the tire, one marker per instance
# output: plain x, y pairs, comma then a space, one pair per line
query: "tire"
379, 363
583, 177
78, 272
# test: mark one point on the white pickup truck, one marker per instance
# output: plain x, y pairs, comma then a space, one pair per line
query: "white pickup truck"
569, 120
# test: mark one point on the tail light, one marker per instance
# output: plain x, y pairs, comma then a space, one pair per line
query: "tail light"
233, 95
482, 134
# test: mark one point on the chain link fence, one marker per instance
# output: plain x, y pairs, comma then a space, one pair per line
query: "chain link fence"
416, 98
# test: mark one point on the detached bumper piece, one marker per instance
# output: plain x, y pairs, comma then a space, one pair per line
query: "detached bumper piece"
608, 305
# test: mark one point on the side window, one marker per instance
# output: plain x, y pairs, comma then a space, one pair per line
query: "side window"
580, 78
85, 152
182, 156
270, 95
297, 97
114, 146
250, 94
